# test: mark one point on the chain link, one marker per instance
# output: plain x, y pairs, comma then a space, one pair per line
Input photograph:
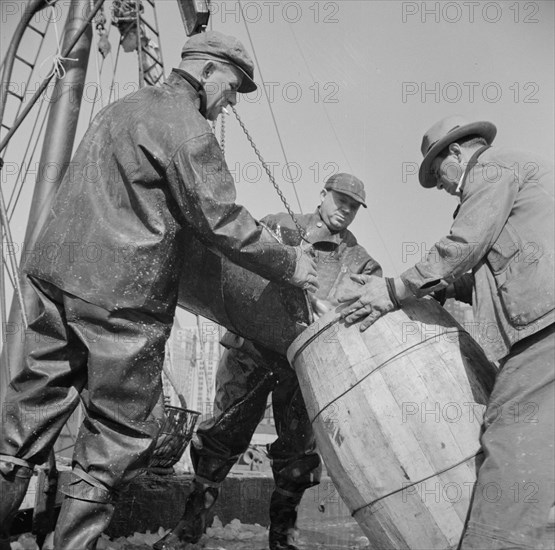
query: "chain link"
300, 229
222, 135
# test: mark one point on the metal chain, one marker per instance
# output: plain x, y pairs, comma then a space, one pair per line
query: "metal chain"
300, 229
222, 135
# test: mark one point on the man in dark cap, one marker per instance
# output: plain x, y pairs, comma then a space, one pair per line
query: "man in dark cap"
148, 175
248, 373
504, 234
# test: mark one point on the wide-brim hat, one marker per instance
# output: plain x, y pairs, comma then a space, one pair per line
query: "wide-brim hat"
442, 134
226, 49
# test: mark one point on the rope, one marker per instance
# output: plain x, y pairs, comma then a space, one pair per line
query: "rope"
58, 68
300, 229
39, 91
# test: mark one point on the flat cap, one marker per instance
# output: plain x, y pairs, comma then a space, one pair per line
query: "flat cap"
348, 185
226, 49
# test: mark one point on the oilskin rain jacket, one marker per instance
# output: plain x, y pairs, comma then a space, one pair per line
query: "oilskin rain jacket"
337, 254
147, 176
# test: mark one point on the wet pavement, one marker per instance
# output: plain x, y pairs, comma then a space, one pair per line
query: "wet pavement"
152, 504
341, 534
338, 534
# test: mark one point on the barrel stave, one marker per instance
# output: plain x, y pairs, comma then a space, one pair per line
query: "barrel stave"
397, 413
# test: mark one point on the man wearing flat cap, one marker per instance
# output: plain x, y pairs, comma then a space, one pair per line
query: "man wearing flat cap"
248, 373
503, 234
105, 271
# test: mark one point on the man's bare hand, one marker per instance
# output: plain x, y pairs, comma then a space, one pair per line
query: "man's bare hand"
305, 275
370, 300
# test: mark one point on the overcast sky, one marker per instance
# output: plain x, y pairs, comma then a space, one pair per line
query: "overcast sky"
354, 85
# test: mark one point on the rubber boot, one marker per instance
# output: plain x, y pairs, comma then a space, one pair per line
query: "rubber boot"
80, 523
193, 523
14, 480
283, 520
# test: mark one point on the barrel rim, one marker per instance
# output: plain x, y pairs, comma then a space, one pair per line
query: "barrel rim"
308, 336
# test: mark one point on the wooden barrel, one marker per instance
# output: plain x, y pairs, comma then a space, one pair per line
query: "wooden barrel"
397, 411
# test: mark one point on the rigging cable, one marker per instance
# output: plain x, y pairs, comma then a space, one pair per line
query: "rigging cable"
3, 312
100, 19
271, 109
18, 187
28, 106
114, 74
376, 228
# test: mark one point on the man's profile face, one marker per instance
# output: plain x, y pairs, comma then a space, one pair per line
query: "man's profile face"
448, 171
337, 210
220, 82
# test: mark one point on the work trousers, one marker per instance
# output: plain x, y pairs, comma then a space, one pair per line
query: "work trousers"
514, 497
245, 378
111, 361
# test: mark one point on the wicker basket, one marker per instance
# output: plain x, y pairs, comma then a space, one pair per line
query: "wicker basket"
174, 436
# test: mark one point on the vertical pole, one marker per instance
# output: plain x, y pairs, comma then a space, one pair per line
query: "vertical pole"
56, 153
140, 55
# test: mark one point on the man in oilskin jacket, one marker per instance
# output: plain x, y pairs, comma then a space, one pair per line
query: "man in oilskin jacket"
249, 372
148, 175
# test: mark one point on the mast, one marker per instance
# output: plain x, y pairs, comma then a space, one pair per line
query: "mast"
56, 155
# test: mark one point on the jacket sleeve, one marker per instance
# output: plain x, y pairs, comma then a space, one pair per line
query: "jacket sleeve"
488, 196
371, 267
464, 287
203, 188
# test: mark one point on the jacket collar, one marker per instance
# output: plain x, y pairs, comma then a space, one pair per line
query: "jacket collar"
178, 76
471, 163
317, 231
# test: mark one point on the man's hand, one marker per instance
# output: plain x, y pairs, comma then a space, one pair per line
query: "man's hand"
305, 275
370, 300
